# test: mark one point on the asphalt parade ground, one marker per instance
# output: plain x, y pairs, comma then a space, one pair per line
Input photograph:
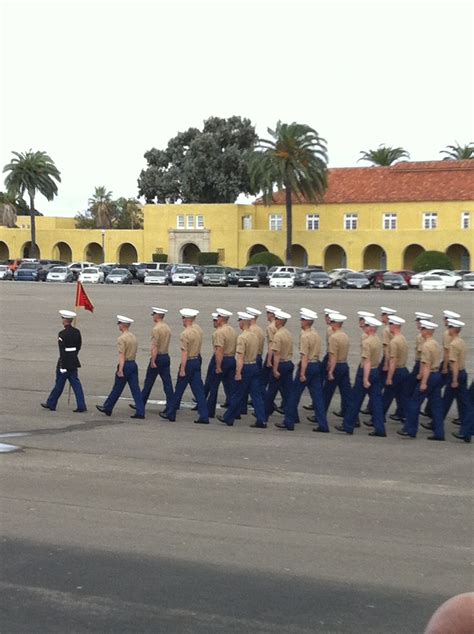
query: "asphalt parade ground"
117, 525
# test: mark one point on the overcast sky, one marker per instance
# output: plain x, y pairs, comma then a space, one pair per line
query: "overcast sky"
96, 84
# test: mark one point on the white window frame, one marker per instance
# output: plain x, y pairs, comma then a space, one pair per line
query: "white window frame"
312, 222
351, 222
430, 220
199, 222
275, 222
390, 221
180, 221
465, 220
189, 221
247, 223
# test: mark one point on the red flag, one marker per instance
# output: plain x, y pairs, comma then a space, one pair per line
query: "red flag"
82, 299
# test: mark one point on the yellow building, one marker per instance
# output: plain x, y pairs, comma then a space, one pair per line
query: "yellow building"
375, 217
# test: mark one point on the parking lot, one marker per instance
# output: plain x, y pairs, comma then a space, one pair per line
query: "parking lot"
110, 525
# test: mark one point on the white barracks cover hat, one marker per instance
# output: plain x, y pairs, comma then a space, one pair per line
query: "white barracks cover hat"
214, 316
253, 311
280, 314
188, 312
330, 311
364, 314
455, 323
337, 317
428, 325
387, 311
244, 316
395, 319
121, 319
158, 311
372, 321
222, 312
271, 309
306, 313
451, 313
67, 314
419, 315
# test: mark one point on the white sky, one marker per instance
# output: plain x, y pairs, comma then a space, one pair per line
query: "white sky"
97, 83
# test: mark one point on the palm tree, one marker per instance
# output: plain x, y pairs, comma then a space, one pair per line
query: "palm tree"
295, 159
458, 152
384, 155
32, 172
102, 207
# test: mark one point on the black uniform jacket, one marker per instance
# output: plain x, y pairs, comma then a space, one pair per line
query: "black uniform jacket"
69, 341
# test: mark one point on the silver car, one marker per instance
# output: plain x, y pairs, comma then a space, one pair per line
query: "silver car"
60, 274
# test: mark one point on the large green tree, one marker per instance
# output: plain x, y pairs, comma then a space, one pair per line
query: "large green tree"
458, 152
384, 155
129, 214
208, 166
104, 212
102, 207
294, 159
32, 172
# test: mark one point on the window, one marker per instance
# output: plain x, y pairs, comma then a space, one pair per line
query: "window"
312, 222
247, 222
465, 220
275, 222
199, 222
180, 222
350, 222
430, 220
390, 221
189, 222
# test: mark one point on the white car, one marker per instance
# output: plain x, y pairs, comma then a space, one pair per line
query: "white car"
432, 283
5, 273
283, 279
450, 279
467, 283
282, 269
156, 277
60, 274
184, 275
91, 275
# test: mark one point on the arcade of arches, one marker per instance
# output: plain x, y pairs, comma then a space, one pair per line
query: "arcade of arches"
4, 251
190, 253
335, 257
127, 253
374, 257
62, 251
299, 255
94, 253
459, 256
26, 251
410, 254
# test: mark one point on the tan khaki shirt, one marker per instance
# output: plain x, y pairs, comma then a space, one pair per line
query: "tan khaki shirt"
225, 337
398, 350
446, 339
457, 352
191, 341
283, 343
127, 345
431, 354
260, 336
329, 332
271, 330
339, 345
161, 335
372, 350
387, 336
418, 346
247, 345
310, 344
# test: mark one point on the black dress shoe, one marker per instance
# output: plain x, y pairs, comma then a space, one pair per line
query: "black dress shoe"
341, 429
165, 416
434, 438
222, 420
396, 418
368, 423
79, 411
201, 422
46, 406
338, 414
459, 437
258, 425
366, 411
283, 426
320, 429
312, 419
310, 408
132, 406
103, 410
376, 433
428, 426
137, 416
456, 421
405, 434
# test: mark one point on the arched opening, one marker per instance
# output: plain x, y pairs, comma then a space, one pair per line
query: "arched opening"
94, 253
190, 253
126, 253
4, 251
299, 255
335, 257
459, 256
375, 257
62, 251
27, 253
257, 248
410, 254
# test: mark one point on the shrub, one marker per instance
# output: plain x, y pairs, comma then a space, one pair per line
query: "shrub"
432, 260
160, 257
265, 257
208, 257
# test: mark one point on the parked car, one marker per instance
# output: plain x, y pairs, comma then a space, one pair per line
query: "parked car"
233, 275
248, 277
214, 276
5, 272
283, 279
406, 274
60, 274
302, 275
77, 267
375, 276
119, 276
283, 269
467, 283
30, 272
107, 268
449, 277
393, 281
156, 277
354, 280
337, 274
319, 279
184, 276
143, 268
262, 272
432, 283
92, 275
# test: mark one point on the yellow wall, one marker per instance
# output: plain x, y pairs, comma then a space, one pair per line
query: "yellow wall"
223, 230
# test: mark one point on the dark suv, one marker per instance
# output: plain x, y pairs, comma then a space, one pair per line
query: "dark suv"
30, 272
262, 272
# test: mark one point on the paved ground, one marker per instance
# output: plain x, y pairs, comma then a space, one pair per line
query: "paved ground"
113, 526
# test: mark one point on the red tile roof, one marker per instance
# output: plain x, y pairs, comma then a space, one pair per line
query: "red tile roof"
402, 182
